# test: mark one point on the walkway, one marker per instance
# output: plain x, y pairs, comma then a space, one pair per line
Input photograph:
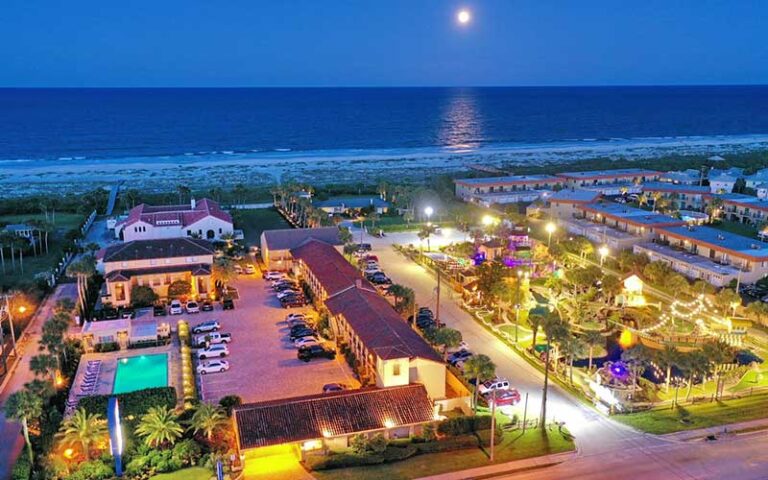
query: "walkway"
113, 196
11, 441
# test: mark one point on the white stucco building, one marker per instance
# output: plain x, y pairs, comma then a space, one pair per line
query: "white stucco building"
199, 219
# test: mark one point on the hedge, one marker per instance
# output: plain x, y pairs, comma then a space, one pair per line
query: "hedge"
464, 424
132, 403
454, 443
22, 469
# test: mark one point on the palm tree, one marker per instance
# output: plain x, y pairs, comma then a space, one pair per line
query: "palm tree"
554, 329
159, 426
718, 353
446, 338
223, 270
757, 311
426, 232
184, 191
24, 406
82, 269
637, 357
44, 365
345, 236
481, 368
695, 364
592, 339
208, 419
83, 429
667, 358
573, 347
535, 320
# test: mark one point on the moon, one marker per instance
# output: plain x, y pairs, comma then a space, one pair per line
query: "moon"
463, 16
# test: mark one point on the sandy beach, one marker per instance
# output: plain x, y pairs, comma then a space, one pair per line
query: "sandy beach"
225, 170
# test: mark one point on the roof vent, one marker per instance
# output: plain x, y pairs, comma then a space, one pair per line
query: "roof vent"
720, 236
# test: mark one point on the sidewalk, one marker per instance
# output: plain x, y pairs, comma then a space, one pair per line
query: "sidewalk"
506, 468
688, 435
11, 441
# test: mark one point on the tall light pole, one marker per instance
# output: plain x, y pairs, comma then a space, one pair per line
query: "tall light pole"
603, 251
550, 228
428, 211
520, 276
8, 311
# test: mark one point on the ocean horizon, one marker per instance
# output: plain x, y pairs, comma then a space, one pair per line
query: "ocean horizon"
91, 125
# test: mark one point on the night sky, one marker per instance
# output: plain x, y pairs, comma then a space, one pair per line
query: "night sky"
381, 43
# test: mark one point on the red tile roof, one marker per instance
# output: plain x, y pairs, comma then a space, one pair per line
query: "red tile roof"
331, 269
330, 415
165, 248
379, 327
176, 215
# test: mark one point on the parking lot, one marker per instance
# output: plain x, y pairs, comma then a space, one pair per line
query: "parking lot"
263, 363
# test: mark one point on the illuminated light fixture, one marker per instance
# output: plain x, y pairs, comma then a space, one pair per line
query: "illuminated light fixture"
69, 453
326, 433
626, 340
389, 424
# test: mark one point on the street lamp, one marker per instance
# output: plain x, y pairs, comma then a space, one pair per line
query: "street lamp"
428, 212
550, 228
603, 251
520, 276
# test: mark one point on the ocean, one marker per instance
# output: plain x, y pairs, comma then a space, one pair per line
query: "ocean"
92, 125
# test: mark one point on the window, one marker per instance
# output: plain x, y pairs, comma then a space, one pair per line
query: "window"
396, 369
189, 233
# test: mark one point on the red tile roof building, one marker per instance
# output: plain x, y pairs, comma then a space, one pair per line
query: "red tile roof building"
388, 350
202, 219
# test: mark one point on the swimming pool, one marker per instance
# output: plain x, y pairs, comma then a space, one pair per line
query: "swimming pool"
140, 372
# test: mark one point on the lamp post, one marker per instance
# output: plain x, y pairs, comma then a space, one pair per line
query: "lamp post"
520, 276
603, 251
550, 229
9, 312
428, 211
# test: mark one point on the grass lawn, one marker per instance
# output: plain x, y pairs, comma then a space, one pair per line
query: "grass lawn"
255, 221
700, 415
193, 473
751, 380
64, 221
737, 228
514, 446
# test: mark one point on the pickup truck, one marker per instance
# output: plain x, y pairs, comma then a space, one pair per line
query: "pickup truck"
212, 338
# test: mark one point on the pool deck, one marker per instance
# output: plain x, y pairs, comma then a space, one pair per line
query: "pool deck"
108, 368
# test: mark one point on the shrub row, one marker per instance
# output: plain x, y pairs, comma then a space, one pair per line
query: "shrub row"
464, 424
22, 468
392, 453
132, 403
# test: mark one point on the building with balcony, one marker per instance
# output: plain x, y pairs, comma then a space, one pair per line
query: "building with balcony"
509, 189
155, 264
567, 203
276, 245
635, 221
607, 177
744, 209
708, 249
682, 197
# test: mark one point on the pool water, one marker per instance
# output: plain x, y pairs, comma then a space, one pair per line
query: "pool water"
140, 372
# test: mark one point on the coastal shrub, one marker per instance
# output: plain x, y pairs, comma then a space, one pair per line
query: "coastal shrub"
22, 468
453, 443
143, 296
428, 433
134, 404
228, 402
396, 454
93, 470
179, 288
359, 444
106, 347
343, 460
378, 444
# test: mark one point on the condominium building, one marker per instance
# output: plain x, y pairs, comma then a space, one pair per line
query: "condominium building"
682, 197
509, 189
607, 177
744, 208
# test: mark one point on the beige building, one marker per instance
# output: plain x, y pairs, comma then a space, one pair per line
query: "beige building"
276, 245
155, 264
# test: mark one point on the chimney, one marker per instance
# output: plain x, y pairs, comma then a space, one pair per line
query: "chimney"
192, 203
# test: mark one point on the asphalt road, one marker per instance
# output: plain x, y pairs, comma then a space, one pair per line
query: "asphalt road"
606, 449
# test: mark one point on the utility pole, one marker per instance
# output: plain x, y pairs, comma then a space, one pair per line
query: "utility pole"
525, 412
437, 307
493, 424
10, 321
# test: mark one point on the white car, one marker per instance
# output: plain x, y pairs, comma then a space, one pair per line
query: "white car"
305, 342
495, 384
250, 269
295, 316
273, 275
287, 293
218, 350
175, 308
214, 366
372, 270
193, 307
238, 269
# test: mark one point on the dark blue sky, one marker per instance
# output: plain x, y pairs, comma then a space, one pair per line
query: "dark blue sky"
381, 42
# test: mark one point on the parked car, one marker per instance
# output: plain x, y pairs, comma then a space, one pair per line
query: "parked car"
238, 269
285, 286
214, 366
371, 270
206, 327
193, 307
303, 332
461, 355
212, 351
250, 269
295, 316
228, 304
315, 351
176, 308
128, 313
293, 302
495, 384
380, 279
206, 306
288, 293
273, 275
305, 342
334, 387
212, 338
159, 310
299, 323
504, 397
364, 247
283, 281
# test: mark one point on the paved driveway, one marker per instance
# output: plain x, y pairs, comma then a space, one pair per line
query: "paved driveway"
263, 362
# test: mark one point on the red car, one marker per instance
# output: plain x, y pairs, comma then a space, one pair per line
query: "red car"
504, 397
